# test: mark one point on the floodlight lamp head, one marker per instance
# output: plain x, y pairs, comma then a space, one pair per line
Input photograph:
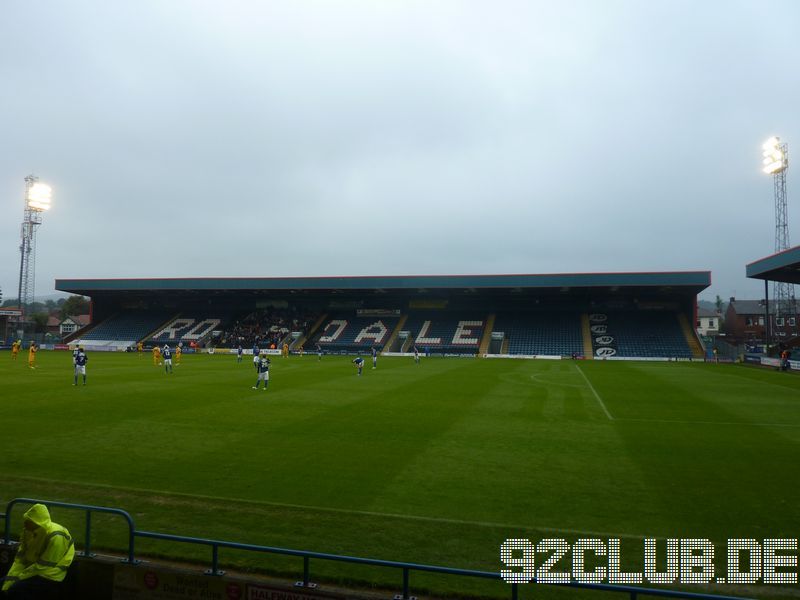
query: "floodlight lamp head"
774, 157
38, 197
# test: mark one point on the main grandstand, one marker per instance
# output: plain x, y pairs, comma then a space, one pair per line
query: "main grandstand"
605, 315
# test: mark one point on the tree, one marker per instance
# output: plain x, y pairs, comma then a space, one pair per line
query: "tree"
40, 321
35, 307
74, 305
720, 312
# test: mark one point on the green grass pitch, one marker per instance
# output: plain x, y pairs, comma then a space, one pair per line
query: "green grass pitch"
432, 463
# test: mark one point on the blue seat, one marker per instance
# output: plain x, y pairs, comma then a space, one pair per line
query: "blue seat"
345, 332
545, 332
446, 332
126, 326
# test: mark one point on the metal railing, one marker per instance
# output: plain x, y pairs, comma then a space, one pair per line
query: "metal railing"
633, 592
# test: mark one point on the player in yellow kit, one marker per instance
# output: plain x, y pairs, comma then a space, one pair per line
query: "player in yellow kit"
32, 355
178, 354
15, 346
156, 356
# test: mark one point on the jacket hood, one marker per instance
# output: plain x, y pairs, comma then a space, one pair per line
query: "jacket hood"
39, 514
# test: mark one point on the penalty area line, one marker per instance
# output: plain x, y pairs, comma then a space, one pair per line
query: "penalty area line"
596, 395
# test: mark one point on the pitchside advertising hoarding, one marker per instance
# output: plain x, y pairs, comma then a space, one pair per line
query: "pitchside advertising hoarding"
765, 361
776, 362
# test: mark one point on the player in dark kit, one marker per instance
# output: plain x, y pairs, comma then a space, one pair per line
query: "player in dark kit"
166, 352
263, 372
79, 360
359, 363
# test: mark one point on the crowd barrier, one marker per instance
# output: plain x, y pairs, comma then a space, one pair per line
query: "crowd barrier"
405, 568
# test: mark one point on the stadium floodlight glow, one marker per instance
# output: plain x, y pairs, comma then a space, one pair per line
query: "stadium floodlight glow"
774, 156
776, 163
37, 202
38, 197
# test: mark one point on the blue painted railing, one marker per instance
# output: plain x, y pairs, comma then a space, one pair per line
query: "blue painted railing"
632, 591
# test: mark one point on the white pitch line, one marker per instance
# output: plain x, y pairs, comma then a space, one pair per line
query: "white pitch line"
345, 511
596, 395
744, 423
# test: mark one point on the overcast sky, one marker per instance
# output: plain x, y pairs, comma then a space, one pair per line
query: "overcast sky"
299, 138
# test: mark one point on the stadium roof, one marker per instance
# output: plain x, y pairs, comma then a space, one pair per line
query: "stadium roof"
783, 266
686, 281
750, 307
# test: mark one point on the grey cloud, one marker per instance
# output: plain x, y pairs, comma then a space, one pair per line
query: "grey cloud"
497, 137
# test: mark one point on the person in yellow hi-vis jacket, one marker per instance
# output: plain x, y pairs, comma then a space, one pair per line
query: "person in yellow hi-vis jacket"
45, 553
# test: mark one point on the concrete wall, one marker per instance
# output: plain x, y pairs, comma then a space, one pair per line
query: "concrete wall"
108, 578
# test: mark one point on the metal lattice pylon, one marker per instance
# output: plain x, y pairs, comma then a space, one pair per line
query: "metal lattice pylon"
27, 265
782, 293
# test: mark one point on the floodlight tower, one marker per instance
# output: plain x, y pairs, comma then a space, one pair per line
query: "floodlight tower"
776, 163
37, 201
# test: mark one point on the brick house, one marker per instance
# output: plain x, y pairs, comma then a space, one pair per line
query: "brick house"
64, 327
744, 321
